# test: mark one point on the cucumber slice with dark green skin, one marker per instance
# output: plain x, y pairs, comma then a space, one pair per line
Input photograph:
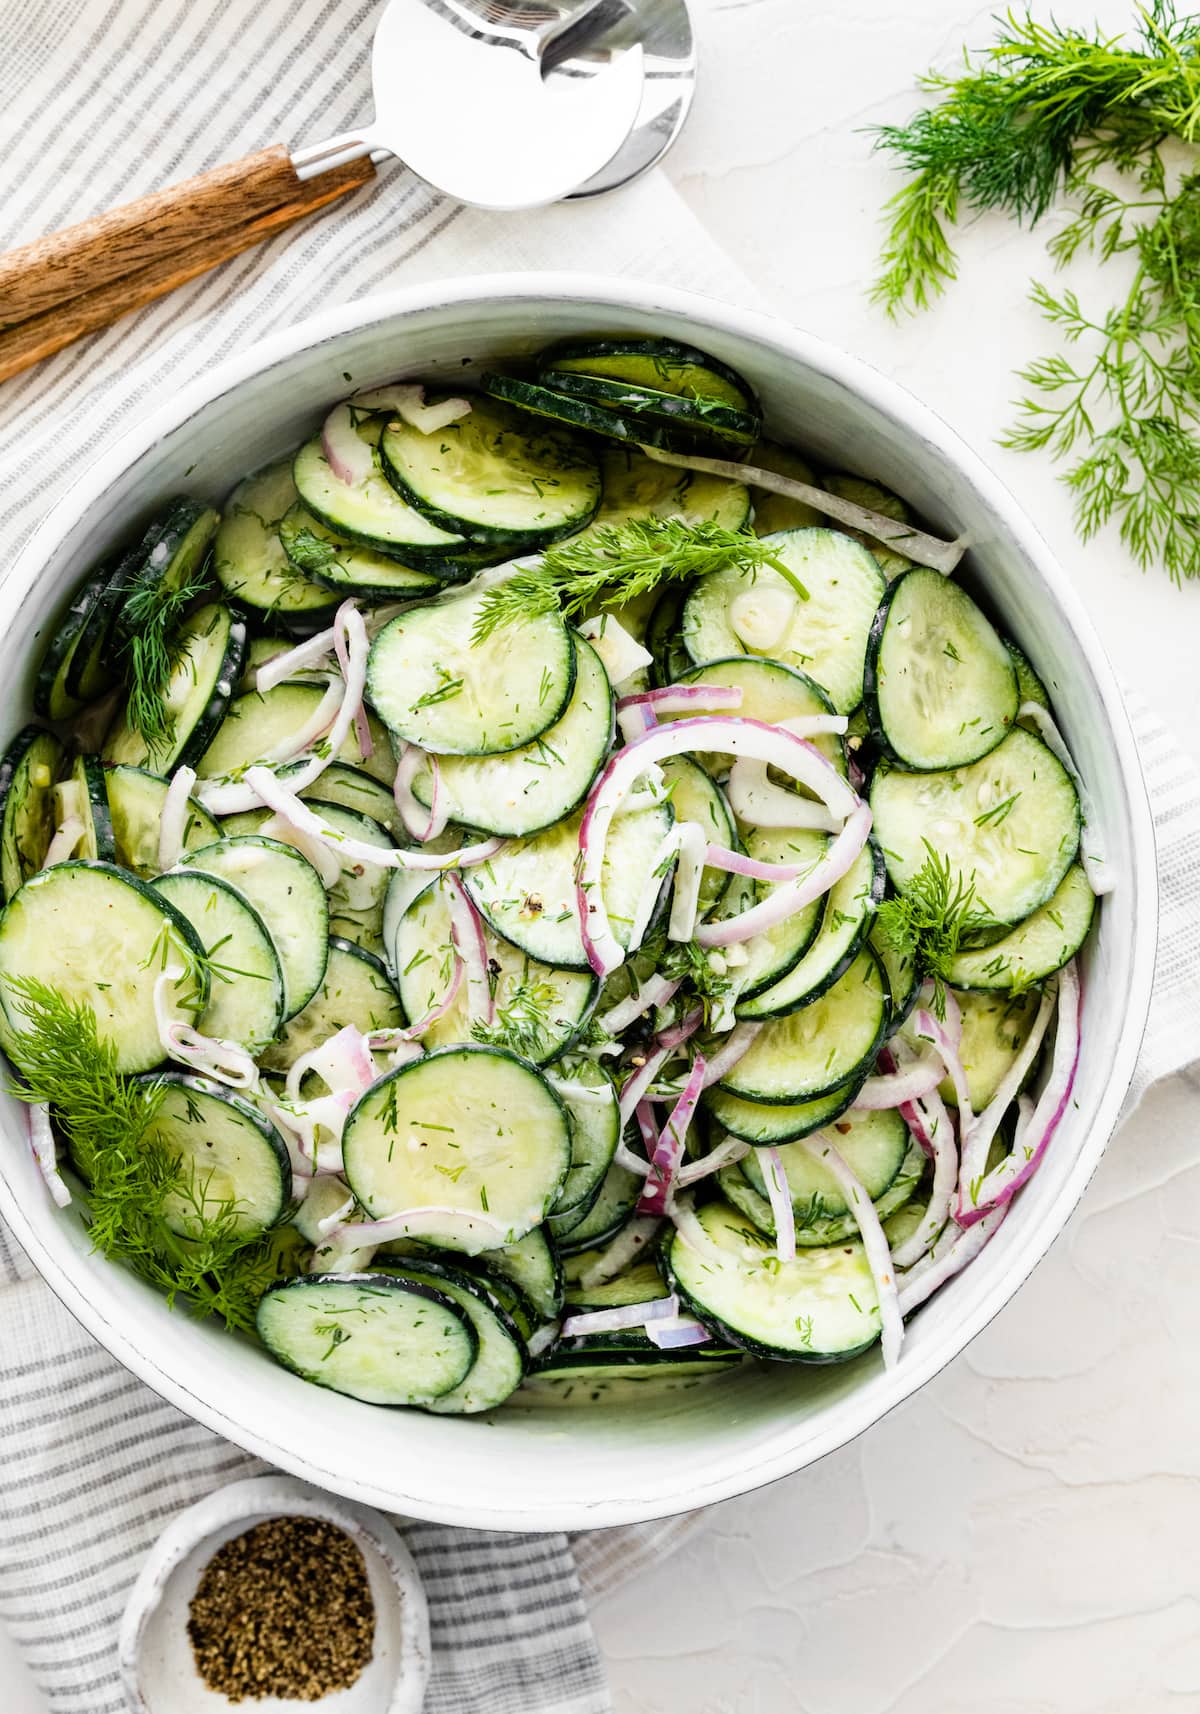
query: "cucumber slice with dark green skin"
822, 1307
256, 722
1010, 821
772, 954
1029, 686
873, 1146
703, 419
753, 1122
736, 1186
355, 989
671, 659
903, 977
89, 801
94, 666
695, 797
595, 1127
1037, 947
349, 568
526, 892
637, 487
474, 1130
771, 692
372, 511
211, 648
435, 687
252, 565
574, 412
525, 790
994, 1028
494, 477
588, 1378
31, 765
822, 1045
135, 804
608, 1212
172, 555
352, 788
52, 696
287, 893
100, 937
544, 1008
940, 686
849, 910
376, 1336
664, 364
245, 1001
533, 1265
641, 1283
501, 1359
233, 1163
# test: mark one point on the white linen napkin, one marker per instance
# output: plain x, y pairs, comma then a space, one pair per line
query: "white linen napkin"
100, 101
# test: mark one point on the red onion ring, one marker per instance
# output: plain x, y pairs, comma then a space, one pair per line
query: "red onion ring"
782, 1211
792, 896
668, 1150
346, 453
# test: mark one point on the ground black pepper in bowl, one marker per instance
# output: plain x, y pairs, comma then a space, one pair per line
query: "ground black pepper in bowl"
283, 1610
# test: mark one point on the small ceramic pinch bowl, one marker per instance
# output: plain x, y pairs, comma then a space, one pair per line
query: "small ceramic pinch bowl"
157, 1667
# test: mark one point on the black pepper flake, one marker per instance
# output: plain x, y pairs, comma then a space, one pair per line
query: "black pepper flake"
283, 1610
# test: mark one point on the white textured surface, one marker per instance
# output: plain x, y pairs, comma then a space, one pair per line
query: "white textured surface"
1019, 1539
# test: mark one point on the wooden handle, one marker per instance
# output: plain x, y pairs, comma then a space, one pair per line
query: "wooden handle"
79, 259
40, 336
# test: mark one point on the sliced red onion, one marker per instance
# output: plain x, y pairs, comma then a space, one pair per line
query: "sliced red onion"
618, 1319
977, 1137
738, 863
422, 824
407, 400
895, 1089
678, 1332
648, 1131
470, 943
874, 1240
954, 1249
654, 992
41, 1141
225, 1061
726, 733
636, 1086
62, 846
339, 1217
728, 1153
685, 699
668, 1150
476, 1232
683, 1217
736, 1046
315, 851
633, 1238
757, 800
792, 896
304, 657
362, 729
634, 721
664, 854
1005, 1179
542, 1338
782, 1212
173, 822
1100, 876
930, 1123
344, 1061
346, 452
816, 725
676, 1034
281, 798
943, 1038
689, 873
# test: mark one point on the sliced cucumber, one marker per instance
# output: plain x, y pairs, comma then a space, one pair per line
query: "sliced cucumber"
172, 555
494, 477
245, 1002
642, 1283
900, 968
540, 1010
774, 512
208, 665
770, 955
94, 666
663, 364
1029, 686
371, 511
286, 891
755, 1123
31, 765
636, 487
256, 722
377, 1337
1037, 947
595, 1124
1010, 821
692, 418
356, 897
354, 990
875, 499
531, 788
135, 801
873, 1146
353, 788
436, 687
695, 797
473, 1130
348, 567
849, 909
84, 794
771, 693
940, 685
994, 1030
533, 1266
500, 1361
604, 1218
734, 611
737, 1188
52, 696
250, 561
99, 937
815, 1049
630, 1376
571, 409
671, 659
526, 892
233, 1163
820, 1308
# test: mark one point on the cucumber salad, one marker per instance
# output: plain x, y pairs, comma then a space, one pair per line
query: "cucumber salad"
541, 890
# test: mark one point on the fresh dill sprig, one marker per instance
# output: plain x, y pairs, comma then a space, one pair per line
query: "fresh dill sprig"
132, 1178
927, 923
150, 620
613, 564
1046, 111
523, 1022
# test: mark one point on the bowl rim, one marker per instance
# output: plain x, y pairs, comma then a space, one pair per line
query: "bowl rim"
861, 1408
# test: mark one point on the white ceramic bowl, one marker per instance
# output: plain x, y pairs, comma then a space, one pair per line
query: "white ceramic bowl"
547, 1469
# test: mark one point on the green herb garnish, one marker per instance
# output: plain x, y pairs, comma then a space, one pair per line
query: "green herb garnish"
926, 924
151, 620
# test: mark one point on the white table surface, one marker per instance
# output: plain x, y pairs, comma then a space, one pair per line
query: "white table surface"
1021, 1537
